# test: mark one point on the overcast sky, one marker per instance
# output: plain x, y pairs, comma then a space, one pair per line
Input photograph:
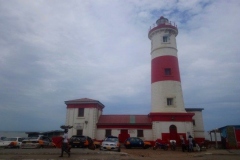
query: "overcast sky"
54, 51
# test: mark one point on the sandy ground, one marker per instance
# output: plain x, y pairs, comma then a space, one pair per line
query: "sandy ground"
125, 154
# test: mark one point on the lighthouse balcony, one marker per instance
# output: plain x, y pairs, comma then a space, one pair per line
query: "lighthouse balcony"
163, 23
166, 24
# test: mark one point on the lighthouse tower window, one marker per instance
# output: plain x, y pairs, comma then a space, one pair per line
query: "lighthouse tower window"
169, 101
193, 122
165, 38
167, 71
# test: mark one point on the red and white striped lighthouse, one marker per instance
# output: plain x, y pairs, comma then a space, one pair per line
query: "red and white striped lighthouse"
168, 115
166, 84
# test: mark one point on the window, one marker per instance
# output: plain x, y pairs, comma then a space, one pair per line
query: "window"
46, 139
80, 112
20, 139
108, 132
167, 71
79, 132
169, 101
165, 38
193, 122
137, 140
140, 133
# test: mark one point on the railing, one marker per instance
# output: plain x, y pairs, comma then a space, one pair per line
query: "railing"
155, 25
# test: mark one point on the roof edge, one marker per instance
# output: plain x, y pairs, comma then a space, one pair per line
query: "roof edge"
194, 109
82, 101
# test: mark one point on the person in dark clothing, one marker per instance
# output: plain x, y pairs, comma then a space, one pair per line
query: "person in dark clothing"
183, 144
224, 143
65, 144
193, 142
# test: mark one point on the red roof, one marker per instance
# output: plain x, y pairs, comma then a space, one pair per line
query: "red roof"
124, 119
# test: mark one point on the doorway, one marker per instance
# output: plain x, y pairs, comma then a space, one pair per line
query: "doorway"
173, 132
123, 135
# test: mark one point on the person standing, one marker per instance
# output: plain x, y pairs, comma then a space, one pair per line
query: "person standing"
64, 147
190, 143
183, 144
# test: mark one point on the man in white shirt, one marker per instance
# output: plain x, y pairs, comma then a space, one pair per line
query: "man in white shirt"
65, 143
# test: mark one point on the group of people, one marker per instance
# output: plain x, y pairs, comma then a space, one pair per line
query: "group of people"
191, 144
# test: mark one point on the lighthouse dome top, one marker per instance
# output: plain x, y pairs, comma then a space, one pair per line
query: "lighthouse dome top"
163, 24
162, 20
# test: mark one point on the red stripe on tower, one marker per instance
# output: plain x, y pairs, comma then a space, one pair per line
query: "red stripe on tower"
165, 68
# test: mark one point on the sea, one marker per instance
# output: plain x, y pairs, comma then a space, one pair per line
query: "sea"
13, 134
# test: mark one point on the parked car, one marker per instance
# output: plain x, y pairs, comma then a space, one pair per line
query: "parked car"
38, 142
135, 142
97, 144
14, 142
110, 143
81, 141
1, 138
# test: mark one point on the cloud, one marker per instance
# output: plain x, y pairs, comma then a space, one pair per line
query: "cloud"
53, 51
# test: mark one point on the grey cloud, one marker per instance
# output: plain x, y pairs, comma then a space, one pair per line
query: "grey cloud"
53, 51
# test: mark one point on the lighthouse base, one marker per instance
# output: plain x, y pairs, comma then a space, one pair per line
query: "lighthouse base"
171, 126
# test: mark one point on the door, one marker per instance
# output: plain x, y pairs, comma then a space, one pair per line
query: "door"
173, 132
123, 135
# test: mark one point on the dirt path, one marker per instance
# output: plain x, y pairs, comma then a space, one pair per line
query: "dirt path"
125, 154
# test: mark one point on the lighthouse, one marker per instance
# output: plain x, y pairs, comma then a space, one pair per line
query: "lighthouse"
168, 118
168, 113
166, 87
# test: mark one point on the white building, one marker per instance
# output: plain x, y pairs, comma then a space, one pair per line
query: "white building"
168, 118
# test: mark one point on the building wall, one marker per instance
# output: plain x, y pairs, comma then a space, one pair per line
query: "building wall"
159, 48
198, 127
163, 90
100, 134
147, 133
161, 129
132, 132
86, 123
